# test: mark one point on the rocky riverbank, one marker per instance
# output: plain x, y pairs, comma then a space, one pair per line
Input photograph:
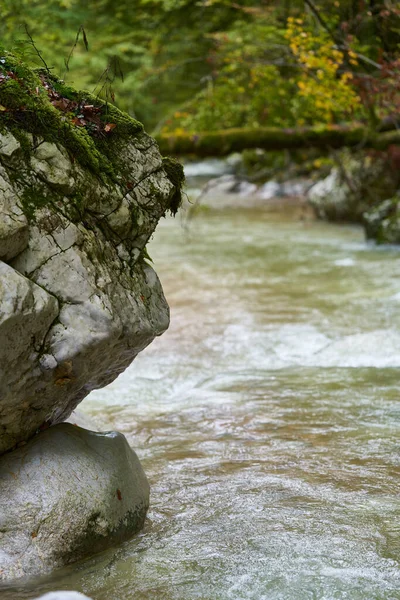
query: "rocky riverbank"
349, 187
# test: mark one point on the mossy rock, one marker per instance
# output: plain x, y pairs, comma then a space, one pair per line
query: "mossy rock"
382, 223
358, 182
28, 103
102, 142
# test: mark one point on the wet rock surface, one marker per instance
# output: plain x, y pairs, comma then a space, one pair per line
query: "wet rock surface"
67, 494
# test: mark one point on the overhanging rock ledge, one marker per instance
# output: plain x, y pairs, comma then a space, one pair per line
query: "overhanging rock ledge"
79, 199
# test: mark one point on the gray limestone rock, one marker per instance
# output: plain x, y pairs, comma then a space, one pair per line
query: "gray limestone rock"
14, 232
78, 301
359, 182
8, 144
67, 494
333, 200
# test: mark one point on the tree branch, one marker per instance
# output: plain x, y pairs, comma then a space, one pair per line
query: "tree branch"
338, 41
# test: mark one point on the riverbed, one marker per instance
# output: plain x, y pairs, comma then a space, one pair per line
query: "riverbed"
266, 418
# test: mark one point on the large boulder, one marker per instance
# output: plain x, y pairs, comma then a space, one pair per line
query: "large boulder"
82, 188
360, 180
382, 222
67, 494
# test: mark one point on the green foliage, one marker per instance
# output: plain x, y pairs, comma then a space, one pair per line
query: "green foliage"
204, 65
324, 86
241, 90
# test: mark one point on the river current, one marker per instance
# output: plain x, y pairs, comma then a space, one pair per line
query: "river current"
266, 418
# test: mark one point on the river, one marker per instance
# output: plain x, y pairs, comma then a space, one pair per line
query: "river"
266, 418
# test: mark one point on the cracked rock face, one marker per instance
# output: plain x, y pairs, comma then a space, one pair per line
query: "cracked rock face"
77, 300
65, 495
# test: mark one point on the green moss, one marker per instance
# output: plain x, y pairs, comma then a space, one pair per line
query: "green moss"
37, 197
224, 142
144, 255
28, 107
31, 200
126, 125
36, 102
175, 174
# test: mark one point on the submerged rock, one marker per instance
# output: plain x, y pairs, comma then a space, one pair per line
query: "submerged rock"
67, 494
78, 204
382, 223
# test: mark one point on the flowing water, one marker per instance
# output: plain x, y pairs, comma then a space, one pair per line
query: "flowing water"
266, 418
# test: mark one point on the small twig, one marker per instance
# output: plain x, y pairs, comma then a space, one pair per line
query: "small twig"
85, 42
37, 51
322, 21
363, 58
106, 79
195, 205
340, 43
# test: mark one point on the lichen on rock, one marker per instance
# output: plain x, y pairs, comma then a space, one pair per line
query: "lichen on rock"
82, 188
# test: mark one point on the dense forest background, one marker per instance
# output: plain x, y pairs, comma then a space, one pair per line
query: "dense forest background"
202, 65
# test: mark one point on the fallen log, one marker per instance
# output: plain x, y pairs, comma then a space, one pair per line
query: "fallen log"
224, 142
